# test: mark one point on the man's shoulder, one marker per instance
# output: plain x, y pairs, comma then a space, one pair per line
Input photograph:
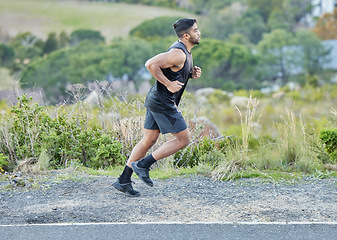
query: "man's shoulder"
178, 48
177, 54
177, 45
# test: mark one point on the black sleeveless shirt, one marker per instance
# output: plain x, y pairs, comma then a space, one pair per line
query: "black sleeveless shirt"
159, 98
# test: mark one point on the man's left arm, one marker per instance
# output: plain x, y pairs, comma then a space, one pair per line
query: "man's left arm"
196, 72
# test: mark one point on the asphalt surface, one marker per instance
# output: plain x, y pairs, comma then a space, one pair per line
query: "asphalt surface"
172, 231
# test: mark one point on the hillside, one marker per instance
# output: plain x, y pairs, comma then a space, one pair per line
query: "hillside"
44, 16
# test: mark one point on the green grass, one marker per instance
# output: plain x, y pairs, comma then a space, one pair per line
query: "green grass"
266, 175
44, 16
272, 175
112, 172
156, 173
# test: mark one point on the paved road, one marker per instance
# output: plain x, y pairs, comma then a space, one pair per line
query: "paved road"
172, 231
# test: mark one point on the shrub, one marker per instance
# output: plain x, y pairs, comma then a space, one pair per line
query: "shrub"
329, 138
31, 131
206, 151
3, 162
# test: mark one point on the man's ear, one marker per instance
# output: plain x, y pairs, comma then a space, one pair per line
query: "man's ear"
186, 36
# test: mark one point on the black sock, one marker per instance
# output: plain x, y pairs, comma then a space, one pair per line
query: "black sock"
146, 162
125, 177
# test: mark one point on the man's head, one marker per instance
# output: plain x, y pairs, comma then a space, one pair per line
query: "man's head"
183, 25
187, 28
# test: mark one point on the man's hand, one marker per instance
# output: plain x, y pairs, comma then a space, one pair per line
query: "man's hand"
174, 86
196, 72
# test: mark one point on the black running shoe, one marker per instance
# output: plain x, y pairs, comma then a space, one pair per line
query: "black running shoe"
142, 173
126, 188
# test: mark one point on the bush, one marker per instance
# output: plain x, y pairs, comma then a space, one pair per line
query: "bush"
31, 131
3, 162
206, 151
329, 138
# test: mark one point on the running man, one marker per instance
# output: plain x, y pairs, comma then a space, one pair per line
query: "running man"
171, 69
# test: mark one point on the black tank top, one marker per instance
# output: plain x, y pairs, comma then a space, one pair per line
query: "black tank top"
159, 98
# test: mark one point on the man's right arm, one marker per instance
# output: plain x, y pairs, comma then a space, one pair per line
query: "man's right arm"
173, 59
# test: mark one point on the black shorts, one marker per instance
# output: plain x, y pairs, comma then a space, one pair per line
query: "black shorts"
165, 122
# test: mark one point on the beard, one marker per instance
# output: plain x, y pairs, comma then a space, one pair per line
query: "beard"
194, 40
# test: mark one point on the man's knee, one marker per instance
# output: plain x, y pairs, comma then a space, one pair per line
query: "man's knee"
186, 140
152, 142
150, 138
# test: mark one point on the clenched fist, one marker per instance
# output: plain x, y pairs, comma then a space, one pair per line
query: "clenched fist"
196, 72
175, 86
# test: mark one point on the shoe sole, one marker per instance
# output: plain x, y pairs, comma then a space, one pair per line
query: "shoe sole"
137, 173
119, 188
123, 191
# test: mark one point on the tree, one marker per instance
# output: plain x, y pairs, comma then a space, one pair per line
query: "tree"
265, 6
205, 6
85, 63
326, 26
128, 56
26, 47
251, 25
7, 55
50, 74
86, 34
278, 19
51, 43
221, 23
222, 62
26, 39
155, 28
312, 53
238, 38
296, 9
63, 40
276, 55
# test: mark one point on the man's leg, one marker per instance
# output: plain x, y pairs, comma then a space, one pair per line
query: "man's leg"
139, 151
123, 183
182, 139
142, 167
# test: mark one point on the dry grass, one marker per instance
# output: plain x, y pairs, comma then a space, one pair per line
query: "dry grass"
237, 154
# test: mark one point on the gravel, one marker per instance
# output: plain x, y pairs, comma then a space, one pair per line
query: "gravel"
59, 198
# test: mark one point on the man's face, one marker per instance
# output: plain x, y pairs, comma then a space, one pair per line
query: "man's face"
194, 34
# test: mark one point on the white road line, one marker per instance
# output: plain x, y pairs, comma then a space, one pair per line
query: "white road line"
167, 223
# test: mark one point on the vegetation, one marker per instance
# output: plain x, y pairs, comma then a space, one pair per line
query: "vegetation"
246, 46
265, 137
149, 29
86, 62
32, 133
329, 138
326, 26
